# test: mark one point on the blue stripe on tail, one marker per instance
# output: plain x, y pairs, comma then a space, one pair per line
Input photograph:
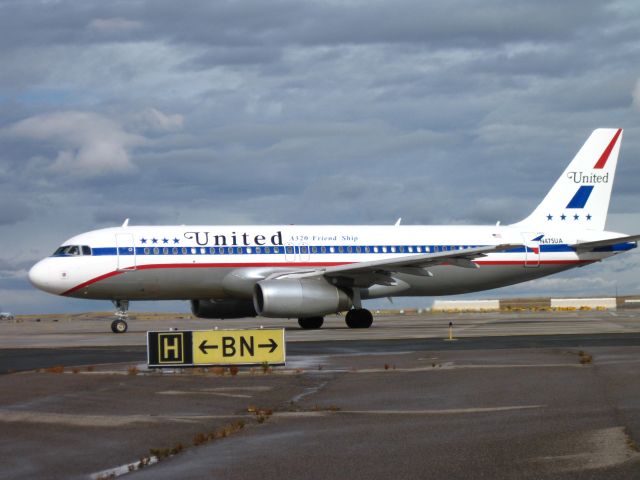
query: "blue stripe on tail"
579, 200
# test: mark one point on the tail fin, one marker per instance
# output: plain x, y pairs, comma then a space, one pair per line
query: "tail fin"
580, 197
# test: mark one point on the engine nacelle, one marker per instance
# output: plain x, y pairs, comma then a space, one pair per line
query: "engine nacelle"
296, 298
222, 308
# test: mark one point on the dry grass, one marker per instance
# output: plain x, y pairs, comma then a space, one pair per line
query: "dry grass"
162, 453
261, 414
330, 408
201, 438
55, 369
133, 370
585, 358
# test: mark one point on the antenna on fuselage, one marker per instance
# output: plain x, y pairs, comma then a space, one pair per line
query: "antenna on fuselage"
126, 222
398, 222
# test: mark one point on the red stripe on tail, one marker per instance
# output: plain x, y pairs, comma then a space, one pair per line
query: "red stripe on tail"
607, 151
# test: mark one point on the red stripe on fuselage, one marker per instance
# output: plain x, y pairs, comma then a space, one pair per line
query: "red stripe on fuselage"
607, 151
198, 265
92, 281
290, 264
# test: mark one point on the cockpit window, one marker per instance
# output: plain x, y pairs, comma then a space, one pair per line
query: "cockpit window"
72, 251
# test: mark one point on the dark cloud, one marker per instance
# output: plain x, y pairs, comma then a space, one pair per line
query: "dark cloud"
13, 209
302, 112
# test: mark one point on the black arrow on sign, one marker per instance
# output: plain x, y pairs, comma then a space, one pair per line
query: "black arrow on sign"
273, 345
204, 347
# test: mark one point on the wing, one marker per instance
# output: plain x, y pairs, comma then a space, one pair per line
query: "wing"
626, 243
380, 272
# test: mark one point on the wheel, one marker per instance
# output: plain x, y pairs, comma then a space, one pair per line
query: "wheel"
119, 326
359, 318
311, 322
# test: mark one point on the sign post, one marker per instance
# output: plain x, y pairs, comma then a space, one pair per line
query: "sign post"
201, 348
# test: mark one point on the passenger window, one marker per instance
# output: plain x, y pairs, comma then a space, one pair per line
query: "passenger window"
358, 250
165, 251
323, 249
184, 250
340, 249
366, 249
393, 249
289, 249
332, 250
375, 249
174, 250
146, 250
304, 249
156, 250
384, 249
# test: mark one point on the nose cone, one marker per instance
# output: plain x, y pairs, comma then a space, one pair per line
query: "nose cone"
44, 276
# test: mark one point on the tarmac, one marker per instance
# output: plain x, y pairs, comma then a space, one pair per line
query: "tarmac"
517, 395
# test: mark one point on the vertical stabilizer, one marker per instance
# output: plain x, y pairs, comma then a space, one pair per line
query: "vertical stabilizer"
580, 197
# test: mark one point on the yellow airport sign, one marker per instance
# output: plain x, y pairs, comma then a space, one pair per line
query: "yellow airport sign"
196, 348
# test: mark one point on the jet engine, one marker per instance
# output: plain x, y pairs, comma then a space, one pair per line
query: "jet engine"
294, 297
222, 308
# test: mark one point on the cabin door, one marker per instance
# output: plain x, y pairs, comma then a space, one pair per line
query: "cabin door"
125, 252
532, 249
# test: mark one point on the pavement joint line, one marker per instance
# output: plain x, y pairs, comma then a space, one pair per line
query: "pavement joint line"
464, 367
79, 420
124, 469
450, 411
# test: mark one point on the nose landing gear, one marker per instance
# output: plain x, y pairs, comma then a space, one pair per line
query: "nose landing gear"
119, 325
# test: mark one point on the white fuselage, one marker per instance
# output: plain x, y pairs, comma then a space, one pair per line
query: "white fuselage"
220, 262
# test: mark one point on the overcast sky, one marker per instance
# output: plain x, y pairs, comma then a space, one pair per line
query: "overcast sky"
240, 112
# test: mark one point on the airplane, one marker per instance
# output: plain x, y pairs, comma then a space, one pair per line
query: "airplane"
307, 272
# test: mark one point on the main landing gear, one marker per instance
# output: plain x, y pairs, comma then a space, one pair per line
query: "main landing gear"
359, 318
356, 318
119, 325
309, 323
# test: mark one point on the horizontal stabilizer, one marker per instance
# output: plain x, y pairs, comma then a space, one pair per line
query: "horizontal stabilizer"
585, 246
